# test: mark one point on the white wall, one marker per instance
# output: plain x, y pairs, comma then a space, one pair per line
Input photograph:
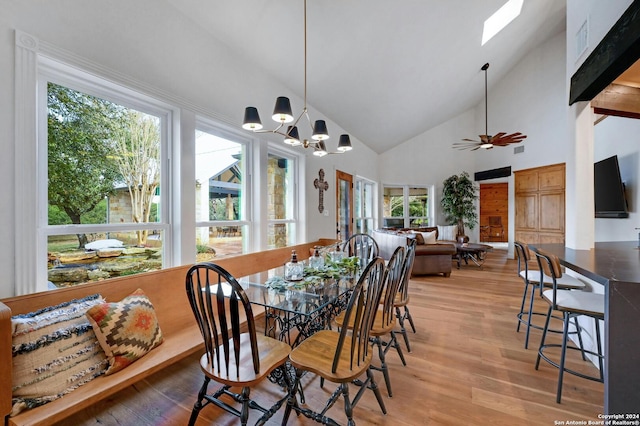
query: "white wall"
429, 159
530, 99
621, 137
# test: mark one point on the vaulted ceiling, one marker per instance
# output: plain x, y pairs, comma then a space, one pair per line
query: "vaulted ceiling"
383, 71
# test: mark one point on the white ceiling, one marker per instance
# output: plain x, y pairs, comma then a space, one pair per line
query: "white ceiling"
383, 71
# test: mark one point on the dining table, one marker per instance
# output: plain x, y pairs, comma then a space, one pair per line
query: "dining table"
294, 310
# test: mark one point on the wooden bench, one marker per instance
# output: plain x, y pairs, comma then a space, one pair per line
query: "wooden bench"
166, 290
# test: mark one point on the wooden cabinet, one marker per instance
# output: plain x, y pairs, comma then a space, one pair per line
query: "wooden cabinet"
540, 204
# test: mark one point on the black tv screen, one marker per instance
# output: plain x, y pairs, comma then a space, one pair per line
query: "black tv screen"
610, 200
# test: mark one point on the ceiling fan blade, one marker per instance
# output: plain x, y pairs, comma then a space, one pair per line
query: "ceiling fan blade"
502, 139
476, 148
469, 140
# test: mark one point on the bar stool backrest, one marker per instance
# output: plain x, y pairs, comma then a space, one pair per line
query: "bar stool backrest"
550, 266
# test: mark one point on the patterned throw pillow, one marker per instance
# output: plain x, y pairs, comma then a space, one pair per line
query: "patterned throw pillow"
54, 352
447, 232
126, 330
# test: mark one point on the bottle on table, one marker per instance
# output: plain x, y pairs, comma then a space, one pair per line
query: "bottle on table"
293, 270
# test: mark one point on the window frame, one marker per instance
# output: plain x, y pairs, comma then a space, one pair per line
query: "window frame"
294, 196
208, 126
50, 70
406, 190
359, 191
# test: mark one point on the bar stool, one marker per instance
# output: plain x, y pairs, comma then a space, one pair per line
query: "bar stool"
571, 304
532, 278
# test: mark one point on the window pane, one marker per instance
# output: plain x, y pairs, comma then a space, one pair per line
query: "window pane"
418, 198
103, 161
393, 202
364, 226
219, 173
358, 207
218, 241
367, 199
281, 235
280, 194
105, 255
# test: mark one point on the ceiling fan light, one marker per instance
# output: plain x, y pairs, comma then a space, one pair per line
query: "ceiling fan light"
344, 144
282, 110
487, 145
320, 132
251, 119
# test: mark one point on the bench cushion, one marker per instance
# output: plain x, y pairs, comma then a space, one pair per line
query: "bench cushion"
54, 352
126, 330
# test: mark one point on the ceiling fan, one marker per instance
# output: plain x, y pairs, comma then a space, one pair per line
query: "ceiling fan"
487, 141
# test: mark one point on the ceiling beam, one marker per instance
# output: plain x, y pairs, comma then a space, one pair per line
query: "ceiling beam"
617, 51
618, 100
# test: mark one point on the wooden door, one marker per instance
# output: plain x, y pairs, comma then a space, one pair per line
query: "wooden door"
540, 204
494, 203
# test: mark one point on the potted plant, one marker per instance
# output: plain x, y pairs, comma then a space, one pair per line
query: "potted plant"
459, 193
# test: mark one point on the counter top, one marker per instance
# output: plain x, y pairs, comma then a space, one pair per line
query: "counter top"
607, 261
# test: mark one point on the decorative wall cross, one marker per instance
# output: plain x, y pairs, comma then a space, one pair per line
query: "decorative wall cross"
322, 186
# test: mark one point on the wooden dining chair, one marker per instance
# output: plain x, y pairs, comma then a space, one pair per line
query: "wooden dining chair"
362, 245
385, 319
232, 357
401, 301
342, 356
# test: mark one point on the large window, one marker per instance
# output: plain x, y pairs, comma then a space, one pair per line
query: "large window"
117, 178
104, 178
221, 225
406, 206
364, 208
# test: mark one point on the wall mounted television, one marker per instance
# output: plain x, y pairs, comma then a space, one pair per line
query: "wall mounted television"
609, 191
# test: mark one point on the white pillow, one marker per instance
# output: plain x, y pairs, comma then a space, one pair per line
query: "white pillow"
447, 232
429, 237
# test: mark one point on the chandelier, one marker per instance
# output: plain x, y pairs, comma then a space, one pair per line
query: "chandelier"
282, 114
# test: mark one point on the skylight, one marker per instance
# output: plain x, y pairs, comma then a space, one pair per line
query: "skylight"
503, 16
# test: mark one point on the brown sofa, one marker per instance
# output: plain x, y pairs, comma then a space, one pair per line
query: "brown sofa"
430, 258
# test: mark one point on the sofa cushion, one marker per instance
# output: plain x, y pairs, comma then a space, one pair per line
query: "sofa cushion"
429, 237
434, 249
54, 352
447, 232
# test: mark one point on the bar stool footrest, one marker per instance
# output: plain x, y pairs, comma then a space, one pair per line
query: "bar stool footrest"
568, 370
523, 321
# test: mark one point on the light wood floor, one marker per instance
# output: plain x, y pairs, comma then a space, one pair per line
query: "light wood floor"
468, 366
